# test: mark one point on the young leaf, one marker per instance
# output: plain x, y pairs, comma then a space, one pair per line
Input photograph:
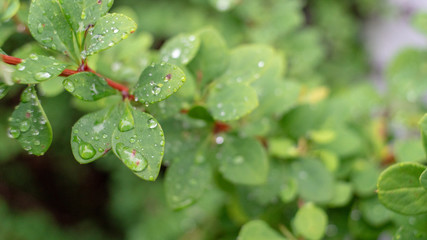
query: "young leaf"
158, 81
29, 124
138, 141
244, 161
107, 32
186, 179
85, 13
310, 221
36, 69
315, 182
258, 229
399, 188
49, 26
180, 49
232, 102
88, 86
10, 8
4, 89
91, 134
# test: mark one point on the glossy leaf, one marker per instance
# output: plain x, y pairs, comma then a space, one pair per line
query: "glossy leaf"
180, 49
50, 27
258, 229
243, 161
311, 221
199, 112
29, 124
85, 13
315, 182
4, 89
91, 134
88, 86
423, 179
107, 32
140, 146
399, 188
186, 179
36, 69
159, 81
232, 102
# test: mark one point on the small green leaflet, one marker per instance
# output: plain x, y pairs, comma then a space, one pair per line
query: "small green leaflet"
399, 188
258, 229
84, 13
199, 112
107, 32
49, 26
88, 86
36, 69
158, 81
311, 221
91, 134
4, 89
180, 49
138, 141
9, 9
243, 161
231, 102
343, 193
186, 179
29, 124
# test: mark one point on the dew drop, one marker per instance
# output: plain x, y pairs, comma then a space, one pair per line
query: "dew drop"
40, 28
176, 53
41, 76
238, 160
115, 30
20, 67
104, 136
152, 123
13, 132
24, 126
127, 122
47, 40
156, 90
86, 150
260, 64
69, 86
36, 142
34, 57
131, 158
27, 95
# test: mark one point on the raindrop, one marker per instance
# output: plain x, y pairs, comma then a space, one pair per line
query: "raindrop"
152, 123
47, 40
260, 64
41, 76
36, 142
156, 90
115, 30
111, 44
13, 132
131, 158
104, 136
69, 86
21, 67
176, 53
27, 95
24, 126
86, 150
36, 132
238, 160
126, 123
132, 140
40, 28
34, 57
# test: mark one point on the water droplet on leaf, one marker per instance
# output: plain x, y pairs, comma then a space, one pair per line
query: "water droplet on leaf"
69, 86
40, 28
131, 158
41, 76
86, 150
156, 90
34, 57
24, 126
13, 132
152, 123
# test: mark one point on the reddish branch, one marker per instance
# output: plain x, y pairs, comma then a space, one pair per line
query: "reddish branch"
68, 72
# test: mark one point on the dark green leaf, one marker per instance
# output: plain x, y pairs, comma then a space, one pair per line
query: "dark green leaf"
91, 134
107, 32
49, 26
311, 221
258, 229
399, 188
243, 161
36, 69
406, 232
159, 81
199, 112
52, 87
2, 52
232, 102
29, 124
4, 89
315, 182
141, 148
88, 86
180, 49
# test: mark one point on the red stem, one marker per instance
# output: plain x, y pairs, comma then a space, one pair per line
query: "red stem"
68, 72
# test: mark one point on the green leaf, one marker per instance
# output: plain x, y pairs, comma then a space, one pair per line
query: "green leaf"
422, 124
232, 102
52, 87
2, 52
243, 161
186, 179
159, 81
88, 86
91, 134
311, 221
364, 176
406, 232
139, 145
36, 69
247, 64
258, 229
199, 112
342, 194
315, 182
84, 13
180, 49
374, 212
9, 10
49, 26
420, 21
423, 179
29, 124
4, 89
399, 188
212, 58
107, 32
409, 150
289, 190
